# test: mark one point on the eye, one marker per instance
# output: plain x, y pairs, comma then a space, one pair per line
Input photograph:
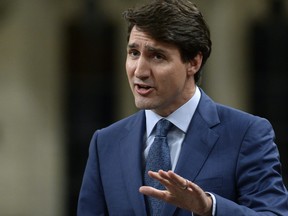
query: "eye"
158, 56
133, 53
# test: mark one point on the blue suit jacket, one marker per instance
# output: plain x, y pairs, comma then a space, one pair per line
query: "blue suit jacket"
226, 152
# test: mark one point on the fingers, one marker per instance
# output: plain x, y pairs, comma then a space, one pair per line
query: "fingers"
171, 180
178, 180
184, 187
179, 191
195, 188
167, 178
159, 194
162, 179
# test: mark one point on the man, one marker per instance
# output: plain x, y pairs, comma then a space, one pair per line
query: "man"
220, 161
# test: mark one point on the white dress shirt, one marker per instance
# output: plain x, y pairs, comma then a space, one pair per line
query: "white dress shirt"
180, 118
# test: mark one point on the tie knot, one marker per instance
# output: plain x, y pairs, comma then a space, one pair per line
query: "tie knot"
162, 127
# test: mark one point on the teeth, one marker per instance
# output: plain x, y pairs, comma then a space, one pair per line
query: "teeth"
145, 87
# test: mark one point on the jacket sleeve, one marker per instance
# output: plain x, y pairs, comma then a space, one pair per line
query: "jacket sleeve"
91, 199
260, 185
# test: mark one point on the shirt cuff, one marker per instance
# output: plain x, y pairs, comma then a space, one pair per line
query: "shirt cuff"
213, 203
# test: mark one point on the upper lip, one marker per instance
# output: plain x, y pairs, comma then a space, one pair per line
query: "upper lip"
143, 85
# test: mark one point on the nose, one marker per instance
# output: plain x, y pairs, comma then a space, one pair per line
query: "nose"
142, 70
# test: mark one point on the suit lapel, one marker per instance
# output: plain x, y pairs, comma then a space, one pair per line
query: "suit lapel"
195, 150
131, 148
198, 143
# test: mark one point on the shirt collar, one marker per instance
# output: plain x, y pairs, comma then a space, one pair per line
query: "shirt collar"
180, 118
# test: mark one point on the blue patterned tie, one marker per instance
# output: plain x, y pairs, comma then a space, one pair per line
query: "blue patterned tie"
158, 158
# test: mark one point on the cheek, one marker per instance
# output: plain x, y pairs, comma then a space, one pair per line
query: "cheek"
129, 69
177, 79
174, 85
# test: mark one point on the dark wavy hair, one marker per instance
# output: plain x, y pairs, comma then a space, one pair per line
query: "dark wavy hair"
177, 22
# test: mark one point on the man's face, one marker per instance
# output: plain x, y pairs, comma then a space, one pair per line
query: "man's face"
158, 78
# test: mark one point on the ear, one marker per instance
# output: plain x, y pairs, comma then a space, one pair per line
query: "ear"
194, 64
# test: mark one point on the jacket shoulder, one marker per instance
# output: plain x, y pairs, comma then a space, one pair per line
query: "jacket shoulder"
124, 124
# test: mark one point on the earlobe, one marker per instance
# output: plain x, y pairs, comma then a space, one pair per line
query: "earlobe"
195, 64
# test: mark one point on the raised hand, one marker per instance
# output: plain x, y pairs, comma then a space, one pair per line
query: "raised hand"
179, 192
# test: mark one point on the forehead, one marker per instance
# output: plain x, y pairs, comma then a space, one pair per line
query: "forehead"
140, 39
137, 34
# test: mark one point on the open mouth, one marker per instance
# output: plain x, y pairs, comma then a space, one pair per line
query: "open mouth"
143, 89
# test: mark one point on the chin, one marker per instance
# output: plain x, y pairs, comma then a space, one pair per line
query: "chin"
143, 105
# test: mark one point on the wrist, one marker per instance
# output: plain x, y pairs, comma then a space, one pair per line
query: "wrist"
208, 211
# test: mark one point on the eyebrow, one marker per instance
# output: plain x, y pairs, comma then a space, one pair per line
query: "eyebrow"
154, 49
149, 48
132, 45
